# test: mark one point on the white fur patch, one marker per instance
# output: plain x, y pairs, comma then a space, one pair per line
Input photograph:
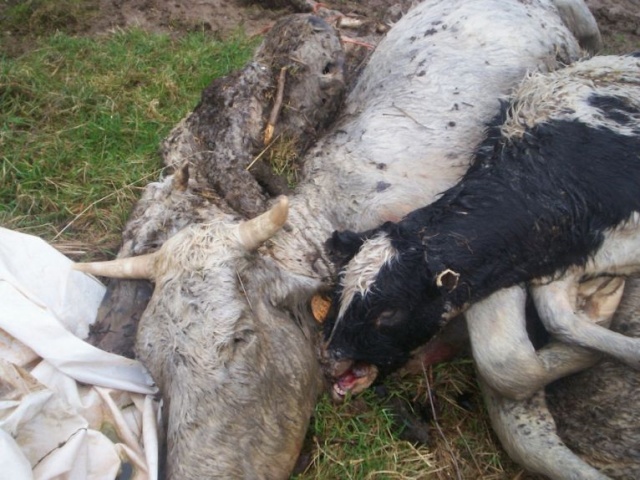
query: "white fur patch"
620, 251
363, 269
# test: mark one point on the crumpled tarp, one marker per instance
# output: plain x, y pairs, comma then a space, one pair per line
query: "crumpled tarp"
68, 410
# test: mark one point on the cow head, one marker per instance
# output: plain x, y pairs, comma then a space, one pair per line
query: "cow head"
387, 303
238, 373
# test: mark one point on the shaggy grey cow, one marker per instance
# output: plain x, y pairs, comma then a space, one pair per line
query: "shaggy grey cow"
228, 314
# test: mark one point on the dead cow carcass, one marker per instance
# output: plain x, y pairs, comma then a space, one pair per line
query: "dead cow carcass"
551, 200
594, 411
407, 133
590, 416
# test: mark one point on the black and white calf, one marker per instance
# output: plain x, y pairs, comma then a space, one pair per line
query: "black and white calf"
552, 198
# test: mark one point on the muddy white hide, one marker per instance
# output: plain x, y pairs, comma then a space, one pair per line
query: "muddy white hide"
238, 377
414, 117
418, 110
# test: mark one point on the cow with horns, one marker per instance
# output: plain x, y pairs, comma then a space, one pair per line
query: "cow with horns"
226, 334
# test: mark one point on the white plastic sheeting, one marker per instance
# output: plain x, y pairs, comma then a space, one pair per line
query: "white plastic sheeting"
67, 409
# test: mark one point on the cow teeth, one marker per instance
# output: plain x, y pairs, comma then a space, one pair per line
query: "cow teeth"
339, 390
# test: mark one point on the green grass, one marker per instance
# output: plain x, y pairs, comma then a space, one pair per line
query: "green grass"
358, 440
81, 120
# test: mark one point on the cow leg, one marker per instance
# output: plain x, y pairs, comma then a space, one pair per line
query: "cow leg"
503, 352
504, 355
527, 432
581, 22
526, 428
555, 304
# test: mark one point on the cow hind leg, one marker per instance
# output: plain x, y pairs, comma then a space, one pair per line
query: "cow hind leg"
555, 303
501, 347
504, 354
527, 432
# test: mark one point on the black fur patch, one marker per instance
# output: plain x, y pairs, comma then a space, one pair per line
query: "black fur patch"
614, 108
534, 206
527, 208
342, 246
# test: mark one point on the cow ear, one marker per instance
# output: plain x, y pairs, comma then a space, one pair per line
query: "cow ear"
342, 246
447, 279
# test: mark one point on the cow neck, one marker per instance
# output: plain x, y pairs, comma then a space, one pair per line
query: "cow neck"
500, 239
299, 246
479, 255
532, 207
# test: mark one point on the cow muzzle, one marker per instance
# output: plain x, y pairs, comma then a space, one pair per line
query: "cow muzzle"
348, 377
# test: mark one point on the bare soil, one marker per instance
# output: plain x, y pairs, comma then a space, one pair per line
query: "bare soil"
224, 17
619, 20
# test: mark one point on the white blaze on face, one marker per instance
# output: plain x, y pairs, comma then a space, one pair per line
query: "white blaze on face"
363, 269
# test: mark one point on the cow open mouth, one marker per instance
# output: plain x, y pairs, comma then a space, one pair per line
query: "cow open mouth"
354, 379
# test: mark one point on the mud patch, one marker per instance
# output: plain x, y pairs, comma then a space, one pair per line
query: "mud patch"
22, 22
619, 22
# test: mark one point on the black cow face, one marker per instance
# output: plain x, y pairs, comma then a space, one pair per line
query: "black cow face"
387, 304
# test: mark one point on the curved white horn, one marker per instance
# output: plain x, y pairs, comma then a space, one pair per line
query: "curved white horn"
256, 231
142, 267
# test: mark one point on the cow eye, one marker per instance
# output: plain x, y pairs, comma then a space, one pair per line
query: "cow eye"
241, 340
389, 318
